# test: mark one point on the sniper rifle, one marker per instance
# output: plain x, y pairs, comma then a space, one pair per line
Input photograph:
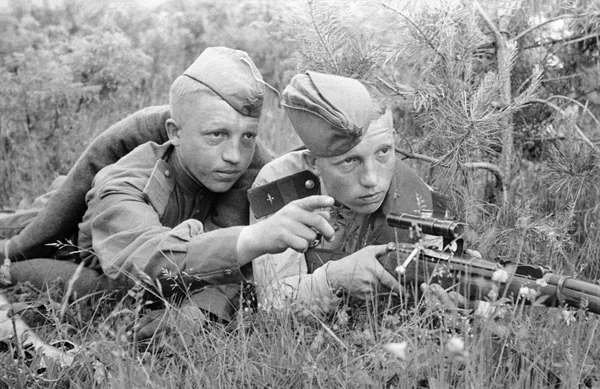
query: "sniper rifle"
480, 279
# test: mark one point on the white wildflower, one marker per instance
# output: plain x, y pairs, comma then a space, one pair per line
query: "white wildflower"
528, 293
569, 316
541, 282
397, 349
100, 373
484, 309
500, 275
493, 293
455, 345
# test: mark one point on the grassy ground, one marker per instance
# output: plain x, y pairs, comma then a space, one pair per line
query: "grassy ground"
517, 347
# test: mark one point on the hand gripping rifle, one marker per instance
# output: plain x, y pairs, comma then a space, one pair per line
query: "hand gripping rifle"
476, 278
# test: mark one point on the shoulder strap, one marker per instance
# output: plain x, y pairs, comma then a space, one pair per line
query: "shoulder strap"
159, 187
271, 197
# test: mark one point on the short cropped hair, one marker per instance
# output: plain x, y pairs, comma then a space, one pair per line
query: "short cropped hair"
181, 88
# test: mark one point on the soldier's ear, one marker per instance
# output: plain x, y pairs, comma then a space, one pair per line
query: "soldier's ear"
311, 162
172, 131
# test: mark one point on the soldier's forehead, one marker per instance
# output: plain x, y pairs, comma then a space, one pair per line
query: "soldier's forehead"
378, 128
374, 135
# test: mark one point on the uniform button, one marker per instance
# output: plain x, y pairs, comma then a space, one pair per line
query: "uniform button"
167, 173
309, 184
228, 272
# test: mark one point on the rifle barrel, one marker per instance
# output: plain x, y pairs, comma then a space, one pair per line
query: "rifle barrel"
568, 283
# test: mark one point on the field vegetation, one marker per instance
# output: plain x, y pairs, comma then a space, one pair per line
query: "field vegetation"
496, 104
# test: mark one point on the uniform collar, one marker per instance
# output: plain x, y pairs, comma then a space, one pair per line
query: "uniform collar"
183, 177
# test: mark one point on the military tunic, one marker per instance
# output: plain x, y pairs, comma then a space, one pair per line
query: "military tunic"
148, 217
285, 277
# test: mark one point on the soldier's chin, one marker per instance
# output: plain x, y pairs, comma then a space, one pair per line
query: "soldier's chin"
365, 208
219, 186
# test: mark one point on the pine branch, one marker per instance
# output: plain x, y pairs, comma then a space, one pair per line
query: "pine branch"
584, 107
320, 36
419, 30
532, 28
497, 34
469, 165
530, 91
506, 54
577, 128
397, 89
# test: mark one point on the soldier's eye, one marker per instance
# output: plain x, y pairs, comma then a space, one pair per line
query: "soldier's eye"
384, 151
349, 161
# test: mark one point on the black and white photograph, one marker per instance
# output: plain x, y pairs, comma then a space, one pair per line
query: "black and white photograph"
300, 194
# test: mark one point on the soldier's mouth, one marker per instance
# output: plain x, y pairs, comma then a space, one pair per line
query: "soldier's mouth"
371, 197
227, 174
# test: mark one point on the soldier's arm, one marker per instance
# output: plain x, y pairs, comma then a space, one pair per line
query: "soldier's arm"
131, 243
282, 280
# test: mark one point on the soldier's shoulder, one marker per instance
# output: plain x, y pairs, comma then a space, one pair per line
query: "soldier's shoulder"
135, 166
279, 182
153, 111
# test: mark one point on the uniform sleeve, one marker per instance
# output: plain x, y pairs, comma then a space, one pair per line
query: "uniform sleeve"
130, 242
282, 279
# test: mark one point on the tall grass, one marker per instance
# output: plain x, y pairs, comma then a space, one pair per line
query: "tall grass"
518, 347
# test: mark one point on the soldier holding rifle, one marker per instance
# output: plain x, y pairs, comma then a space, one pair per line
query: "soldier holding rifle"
349, 139
350, 156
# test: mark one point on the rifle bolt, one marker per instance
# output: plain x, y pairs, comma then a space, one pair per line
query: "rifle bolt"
402, 268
